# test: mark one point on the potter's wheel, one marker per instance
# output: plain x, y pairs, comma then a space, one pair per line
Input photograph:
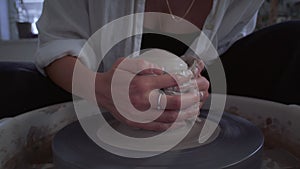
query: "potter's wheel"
237, 144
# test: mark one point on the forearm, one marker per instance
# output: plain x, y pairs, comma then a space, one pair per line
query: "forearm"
61, 73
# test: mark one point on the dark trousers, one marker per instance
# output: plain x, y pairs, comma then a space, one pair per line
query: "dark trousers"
23, 89
265, 64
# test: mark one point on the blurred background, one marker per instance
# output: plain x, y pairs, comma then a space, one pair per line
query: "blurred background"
18, 24
18, 17
276, 11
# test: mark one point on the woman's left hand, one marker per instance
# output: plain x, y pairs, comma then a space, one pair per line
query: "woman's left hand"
197, 66
203, 86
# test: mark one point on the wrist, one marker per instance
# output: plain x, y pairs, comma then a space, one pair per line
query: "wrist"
102, 88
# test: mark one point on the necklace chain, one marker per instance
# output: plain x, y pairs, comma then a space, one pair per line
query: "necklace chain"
178, 19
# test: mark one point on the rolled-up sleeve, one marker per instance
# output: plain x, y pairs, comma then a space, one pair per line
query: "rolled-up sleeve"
64, 28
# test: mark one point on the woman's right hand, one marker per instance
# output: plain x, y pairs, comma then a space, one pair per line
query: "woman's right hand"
143, 95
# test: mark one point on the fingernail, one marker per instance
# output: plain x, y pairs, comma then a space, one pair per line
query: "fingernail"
201, 94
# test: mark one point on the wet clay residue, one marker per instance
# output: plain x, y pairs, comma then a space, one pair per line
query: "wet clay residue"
274, 132
36, 151
275, 139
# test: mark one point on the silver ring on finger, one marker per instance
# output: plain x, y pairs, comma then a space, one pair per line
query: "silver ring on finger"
159, 106
201, 94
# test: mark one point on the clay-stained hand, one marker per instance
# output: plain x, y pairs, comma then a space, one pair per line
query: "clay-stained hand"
143, 95
197, 66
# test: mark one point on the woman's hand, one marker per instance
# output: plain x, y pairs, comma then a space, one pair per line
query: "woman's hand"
143, 90
203, 86
197, 66
143, 94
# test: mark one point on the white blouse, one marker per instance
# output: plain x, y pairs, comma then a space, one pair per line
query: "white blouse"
66, 25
